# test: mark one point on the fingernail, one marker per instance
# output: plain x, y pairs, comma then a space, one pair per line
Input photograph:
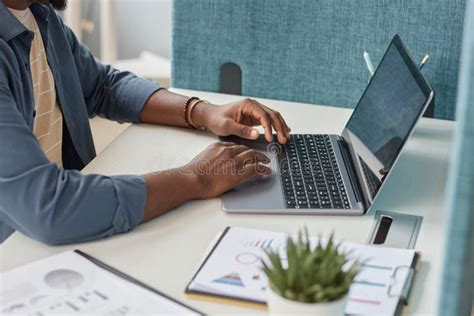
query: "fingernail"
254, 134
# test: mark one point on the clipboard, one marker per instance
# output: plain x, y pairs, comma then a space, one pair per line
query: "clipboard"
132, 280
261, 305
216, 298
407, 287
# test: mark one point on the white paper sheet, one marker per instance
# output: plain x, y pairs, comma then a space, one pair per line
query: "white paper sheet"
68, 283
234, 270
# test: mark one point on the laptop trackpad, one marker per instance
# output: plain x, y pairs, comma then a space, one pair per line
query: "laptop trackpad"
258, 193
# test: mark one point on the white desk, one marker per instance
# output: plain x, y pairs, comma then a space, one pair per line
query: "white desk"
164, 253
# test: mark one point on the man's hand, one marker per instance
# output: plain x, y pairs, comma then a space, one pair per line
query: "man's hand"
216, 170
222, 166
239, 118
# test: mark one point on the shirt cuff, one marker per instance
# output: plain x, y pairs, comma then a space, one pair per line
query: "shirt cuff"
131, 194
139, 92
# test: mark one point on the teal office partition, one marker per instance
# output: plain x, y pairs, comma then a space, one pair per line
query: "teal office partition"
456, 292
312, 50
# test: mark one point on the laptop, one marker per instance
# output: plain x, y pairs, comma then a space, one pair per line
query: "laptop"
341, 174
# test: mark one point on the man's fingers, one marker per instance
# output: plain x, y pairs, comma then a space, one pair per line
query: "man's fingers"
262, 116
238, 149
243, 131
287, 129
278, 123
248, 113
267, 126
270, 119
252, 170
251, 156
258, 114
227, 144
279, 126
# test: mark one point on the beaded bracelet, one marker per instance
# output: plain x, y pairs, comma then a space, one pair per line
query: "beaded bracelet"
185, 111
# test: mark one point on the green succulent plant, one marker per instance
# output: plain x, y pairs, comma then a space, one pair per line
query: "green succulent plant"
312, 274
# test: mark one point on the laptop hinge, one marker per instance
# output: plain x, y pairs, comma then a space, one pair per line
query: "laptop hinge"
354, 179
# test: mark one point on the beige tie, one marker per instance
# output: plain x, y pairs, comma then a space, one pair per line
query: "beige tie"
48, 124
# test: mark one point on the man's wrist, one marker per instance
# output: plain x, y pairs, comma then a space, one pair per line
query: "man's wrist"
169, 189
194, 185
201, 113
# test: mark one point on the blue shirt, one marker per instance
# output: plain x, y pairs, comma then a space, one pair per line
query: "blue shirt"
37, 198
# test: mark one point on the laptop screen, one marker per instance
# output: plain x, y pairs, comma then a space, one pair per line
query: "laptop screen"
386, 114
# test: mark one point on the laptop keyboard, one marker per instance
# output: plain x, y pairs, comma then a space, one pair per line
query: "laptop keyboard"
310, 174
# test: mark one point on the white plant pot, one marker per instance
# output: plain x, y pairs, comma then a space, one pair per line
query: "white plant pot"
278, 305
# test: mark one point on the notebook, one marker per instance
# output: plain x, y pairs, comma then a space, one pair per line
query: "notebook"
73, 282
231, 272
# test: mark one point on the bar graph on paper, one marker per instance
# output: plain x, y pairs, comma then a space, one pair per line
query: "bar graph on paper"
260, 243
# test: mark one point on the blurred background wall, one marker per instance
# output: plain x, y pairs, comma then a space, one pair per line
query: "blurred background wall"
141, 25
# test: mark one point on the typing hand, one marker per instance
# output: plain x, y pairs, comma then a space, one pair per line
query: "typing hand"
239, 118
222, 166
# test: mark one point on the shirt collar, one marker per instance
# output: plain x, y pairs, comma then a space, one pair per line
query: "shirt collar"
10, 27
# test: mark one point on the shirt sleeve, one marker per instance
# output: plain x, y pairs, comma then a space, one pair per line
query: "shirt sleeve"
116, 95
54, 205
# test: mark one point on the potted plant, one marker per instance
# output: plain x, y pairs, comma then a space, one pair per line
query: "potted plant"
312, 280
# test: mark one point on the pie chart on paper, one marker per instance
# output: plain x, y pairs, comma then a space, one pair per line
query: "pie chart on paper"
63, 279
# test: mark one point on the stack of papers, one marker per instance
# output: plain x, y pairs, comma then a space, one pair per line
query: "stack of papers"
70, 283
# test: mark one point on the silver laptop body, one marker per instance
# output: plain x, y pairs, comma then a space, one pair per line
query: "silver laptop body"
394, 100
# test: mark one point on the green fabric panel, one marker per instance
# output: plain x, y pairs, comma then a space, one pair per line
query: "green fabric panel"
311, 50
456, 292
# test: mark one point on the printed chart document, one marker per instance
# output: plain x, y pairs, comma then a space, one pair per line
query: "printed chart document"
75, 283
232, 270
